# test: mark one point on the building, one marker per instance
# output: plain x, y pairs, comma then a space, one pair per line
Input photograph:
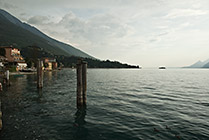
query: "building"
50, 63
14, 58
13, 54
21, 66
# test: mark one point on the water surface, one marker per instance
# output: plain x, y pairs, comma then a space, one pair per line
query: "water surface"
122, 104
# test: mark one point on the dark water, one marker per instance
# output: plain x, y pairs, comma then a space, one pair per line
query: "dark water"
121, 105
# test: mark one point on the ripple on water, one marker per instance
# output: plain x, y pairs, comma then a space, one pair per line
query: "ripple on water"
122, 104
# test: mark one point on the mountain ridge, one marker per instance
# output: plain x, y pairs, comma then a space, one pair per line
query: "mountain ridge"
200, 64
206, 65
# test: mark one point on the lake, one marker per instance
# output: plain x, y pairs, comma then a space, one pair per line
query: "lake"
122, 104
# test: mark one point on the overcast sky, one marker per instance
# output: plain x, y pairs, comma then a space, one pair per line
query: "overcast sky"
143, 32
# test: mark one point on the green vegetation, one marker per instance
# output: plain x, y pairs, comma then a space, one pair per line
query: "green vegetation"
2, 52
32, 53
12, 68
92, 63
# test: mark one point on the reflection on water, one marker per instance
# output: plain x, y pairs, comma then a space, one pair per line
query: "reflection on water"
50, 75
122, 104
81, 132
80, 117
40, 95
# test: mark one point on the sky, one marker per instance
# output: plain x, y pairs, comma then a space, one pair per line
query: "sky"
149, 33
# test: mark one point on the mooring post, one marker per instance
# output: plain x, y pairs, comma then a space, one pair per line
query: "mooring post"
0, 108
79, 85
7, 78
0, 116
1, 88
39, 74
84, 80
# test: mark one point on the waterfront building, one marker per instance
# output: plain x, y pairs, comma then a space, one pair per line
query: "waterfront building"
13, 57
50, 63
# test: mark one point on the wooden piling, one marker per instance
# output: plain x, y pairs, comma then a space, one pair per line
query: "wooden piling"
7, 77
79, 85
1, 88
0, 117
84, 81
39, 74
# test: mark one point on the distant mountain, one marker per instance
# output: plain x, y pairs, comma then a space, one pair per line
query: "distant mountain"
200, 64
20, 35
206, 65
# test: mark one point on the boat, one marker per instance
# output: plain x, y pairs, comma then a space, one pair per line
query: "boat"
140, 67
162, 67
28, 70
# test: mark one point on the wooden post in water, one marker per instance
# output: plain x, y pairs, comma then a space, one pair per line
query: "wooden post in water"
84, 80
79, 84
7, 78
1, 87
39, 74
0, 116
0, 108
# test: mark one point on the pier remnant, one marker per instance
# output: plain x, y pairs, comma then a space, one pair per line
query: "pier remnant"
39, 74
81, 83
7, 82
1, 87
0, 116
84, 80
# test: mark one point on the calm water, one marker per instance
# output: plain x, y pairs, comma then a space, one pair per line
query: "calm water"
121, 105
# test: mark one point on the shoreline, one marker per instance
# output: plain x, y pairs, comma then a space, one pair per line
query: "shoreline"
22, 73
28, 73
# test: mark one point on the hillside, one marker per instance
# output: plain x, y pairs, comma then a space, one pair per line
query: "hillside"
20, 35
31, 53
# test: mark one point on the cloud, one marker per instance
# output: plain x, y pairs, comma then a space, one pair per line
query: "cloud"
87, 34
121, 29
98, 29
37, 20
6, 5
177, 13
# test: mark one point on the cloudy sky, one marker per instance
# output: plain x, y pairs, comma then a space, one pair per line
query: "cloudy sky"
143, 32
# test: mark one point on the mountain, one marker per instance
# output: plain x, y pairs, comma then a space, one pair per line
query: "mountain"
20, 35
206, 65
200, 64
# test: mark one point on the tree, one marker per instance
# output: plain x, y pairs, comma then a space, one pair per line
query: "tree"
2, 52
